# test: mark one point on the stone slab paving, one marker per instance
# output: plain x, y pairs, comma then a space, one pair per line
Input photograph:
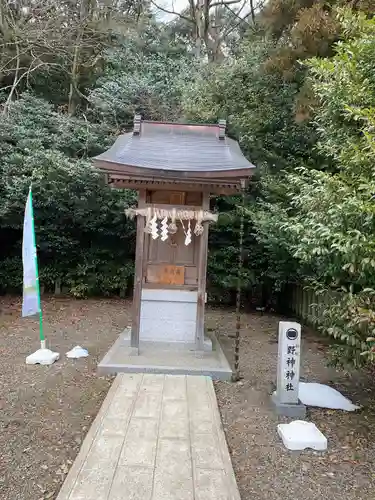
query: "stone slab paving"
156, 437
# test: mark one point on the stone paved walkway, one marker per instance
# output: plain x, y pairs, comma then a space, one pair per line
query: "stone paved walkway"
156, 437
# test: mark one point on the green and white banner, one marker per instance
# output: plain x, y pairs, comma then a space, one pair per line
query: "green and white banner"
31, 295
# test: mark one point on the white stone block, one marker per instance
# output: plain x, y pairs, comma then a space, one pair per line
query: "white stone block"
42, 357
177, 311
168, 316
160, 295
299, 435
167, 331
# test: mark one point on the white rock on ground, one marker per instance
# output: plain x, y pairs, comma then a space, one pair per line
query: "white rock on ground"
42, 357
299, 435
323, 396
77, 352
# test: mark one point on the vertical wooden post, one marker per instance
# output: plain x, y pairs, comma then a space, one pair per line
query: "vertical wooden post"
291, 298
236, 373
308, 307
58, 286
202, 272
298, 301
138, 276
307, 293
304, 302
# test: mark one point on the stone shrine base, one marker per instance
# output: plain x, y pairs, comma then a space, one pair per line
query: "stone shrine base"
168, 358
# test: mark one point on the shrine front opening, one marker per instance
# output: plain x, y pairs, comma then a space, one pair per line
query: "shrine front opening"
175, 168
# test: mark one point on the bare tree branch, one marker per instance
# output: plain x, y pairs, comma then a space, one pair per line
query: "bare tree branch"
15, 83
252, 9
173, 12
237, 15
227, 2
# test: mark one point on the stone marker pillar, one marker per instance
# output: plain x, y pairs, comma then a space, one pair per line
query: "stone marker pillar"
285, 399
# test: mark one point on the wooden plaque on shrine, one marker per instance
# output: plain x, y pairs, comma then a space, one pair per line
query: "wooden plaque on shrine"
170, 275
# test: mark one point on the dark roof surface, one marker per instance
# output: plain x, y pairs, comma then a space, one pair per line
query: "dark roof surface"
177, 147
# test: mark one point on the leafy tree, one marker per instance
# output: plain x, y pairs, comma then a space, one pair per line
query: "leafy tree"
80, 223
258, 105
259, 108
304, 28
56, 48
208, 26
146, 74
326, 220
84, 239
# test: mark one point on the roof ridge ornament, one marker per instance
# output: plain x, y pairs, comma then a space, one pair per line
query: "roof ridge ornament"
137, 124
222, 127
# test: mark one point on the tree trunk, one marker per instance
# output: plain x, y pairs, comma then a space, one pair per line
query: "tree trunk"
74, 78
86, 12
15, 82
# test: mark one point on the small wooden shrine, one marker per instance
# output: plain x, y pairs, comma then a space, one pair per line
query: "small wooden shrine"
175, 168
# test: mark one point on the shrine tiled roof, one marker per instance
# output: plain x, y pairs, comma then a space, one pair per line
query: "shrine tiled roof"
179, 148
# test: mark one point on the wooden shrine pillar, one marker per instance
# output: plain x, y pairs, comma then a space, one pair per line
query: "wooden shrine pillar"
202, 273
138, 273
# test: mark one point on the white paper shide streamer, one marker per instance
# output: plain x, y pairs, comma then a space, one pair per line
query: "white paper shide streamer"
154, 228
164, 229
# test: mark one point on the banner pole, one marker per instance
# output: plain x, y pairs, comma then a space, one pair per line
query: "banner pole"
41, 330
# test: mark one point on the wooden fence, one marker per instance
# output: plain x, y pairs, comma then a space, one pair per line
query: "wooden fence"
308, 305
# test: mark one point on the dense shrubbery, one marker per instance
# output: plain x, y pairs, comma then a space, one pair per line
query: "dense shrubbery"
311, 213
297, 88
85, 243
83, 237
325, 221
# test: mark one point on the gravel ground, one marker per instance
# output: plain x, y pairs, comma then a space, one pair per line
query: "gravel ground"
46, 411
265, 470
